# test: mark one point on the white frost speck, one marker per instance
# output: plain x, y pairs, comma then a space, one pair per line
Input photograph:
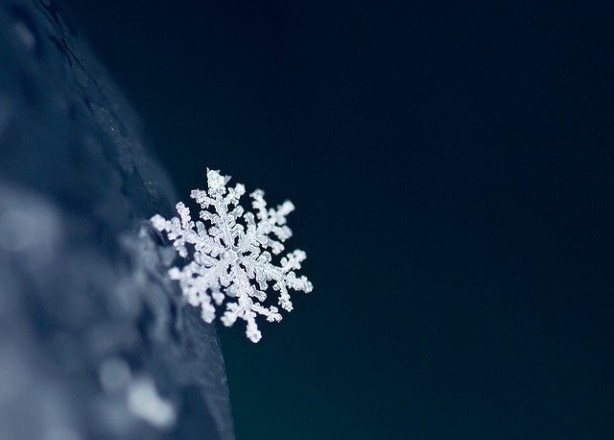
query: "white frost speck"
145, 403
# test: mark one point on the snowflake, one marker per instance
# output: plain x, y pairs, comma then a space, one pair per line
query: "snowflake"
229, 254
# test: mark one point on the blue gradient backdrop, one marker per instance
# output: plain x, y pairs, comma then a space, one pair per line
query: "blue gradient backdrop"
452, 165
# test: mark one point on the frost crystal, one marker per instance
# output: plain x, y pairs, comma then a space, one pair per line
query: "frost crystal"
230, 254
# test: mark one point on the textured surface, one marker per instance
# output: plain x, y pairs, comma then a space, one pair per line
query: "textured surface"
95, 342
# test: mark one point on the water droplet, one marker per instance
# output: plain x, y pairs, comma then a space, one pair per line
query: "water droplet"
25, 35
25, 30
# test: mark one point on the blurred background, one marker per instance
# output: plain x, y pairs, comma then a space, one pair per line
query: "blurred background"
452, 167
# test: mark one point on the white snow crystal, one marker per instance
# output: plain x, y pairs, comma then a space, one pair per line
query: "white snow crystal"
230, 253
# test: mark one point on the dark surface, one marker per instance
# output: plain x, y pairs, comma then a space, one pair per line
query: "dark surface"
452, 168
88, 320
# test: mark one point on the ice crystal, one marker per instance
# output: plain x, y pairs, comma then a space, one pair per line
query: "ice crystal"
230, 253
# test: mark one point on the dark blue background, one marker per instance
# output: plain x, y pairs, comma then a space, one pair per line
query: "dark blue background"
452, 164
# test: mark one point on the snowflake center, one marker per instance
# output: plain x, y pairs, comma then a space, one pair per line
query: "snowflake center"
231, 256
